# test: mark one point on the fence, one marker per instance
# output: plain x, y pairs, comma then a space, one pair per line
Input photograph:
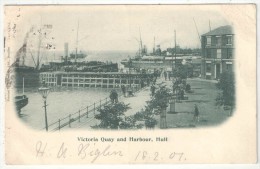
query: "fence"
87, 112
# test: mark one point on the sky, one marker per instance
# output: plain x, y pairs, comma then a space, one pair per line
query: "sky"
117, 27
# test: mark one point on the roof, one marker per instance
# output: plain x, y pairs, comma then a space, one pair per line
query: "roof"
223, 30
152, 57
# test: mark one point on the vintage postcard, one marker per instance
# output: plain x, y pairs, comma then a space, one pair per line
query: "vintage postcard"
130, 84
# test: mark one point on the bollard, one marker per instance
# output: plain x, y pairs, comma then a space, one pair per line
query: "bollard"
100, 104
59, 124
106, 101
69, 120
79, 115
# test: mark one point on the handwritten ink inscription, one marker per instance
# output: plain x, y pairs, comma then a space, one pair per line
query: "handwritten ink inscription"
92, 153
159, 156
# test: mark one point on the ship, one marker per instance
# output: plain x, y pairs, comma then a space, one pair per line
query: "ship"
78, 56
163, 60
29, 74
20, 102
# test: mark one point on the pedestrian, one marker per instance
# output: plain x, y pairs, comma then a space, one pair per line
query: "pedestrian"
123, 90
169, 75
142, 83
165, 75
130, 91
116, 97
196, 113
152, 89
113, 96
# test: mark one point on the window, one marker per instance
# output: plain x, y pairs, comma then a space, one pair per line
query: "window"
229, 40
218, 53
208, 40
208, 67
229, 54
208, 55
218, 40
229, 67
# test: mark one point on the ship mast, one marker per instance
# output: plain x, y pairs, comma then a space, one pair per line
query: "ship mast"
76, 54
197, 29
154, 45
39, 47
209, 26
141, 44
175, 46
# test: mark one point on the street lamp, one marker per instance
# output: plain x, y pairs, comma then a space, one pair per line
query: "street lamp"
44, 91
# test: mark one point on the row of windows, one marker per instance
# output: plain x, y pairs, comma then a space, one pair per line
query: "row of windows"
209, 67
48, 75
99, 81
122, 82
228, 40
103, 76
220, 53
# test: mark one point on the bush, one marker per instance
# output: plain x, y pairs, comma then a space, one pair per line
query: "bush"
150, 122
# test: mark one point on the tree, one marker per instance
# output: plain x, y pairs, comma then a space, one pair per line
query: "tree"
111, 116
161, 98
226, 97
181, 71
160, 101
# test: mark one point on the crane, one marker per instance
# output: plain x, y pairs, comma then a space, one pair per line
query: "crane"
197, 29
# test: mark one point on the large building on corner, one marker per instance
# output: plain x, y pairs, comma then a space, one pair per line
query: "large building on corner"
217, 52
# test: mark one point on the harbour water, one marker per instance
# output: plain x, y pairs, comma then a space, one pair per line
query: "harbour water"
64, 101
61, 103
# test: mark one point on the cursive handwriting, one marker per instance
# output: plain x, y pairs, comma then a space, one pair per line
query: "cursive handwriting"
93, 153
85, 149
40, 150
62, 151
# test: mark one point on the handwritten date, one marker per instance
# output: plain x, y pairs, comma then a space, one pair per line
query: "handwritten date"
93, 152
155, 156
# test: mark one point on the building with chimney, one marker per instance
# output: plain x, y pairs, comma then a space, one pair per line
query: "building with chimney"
217, 52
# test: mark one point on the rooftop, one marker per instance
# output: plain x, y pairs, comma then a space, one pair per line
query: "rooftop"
223, 30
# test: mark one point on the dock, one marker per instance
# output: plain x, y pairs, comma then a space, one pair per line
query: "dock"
95, 80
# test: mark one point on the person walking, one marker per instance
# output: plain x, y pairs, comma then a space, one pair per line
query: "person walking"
165, 75
123, 90
113, 96
196, 113
153, 90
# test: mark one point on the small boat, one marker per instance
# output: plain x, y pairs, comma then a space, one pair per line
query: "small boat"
20, 102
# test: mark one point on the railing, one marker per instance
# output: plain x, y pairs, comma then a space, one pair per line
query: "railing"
87, 112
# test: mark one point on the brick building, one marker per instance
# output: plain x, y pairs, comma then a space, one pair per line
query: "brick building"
217, 52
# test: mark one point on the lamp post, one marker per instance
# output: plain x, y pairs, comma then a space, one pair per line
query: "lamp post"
44, 92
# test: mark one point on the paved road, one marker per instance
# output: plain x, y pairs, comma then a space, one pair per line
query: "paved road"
204, 94
136, 102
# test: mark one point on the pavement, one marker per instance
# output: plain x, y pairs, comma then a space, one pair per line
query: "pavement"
203, 94
136, 103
